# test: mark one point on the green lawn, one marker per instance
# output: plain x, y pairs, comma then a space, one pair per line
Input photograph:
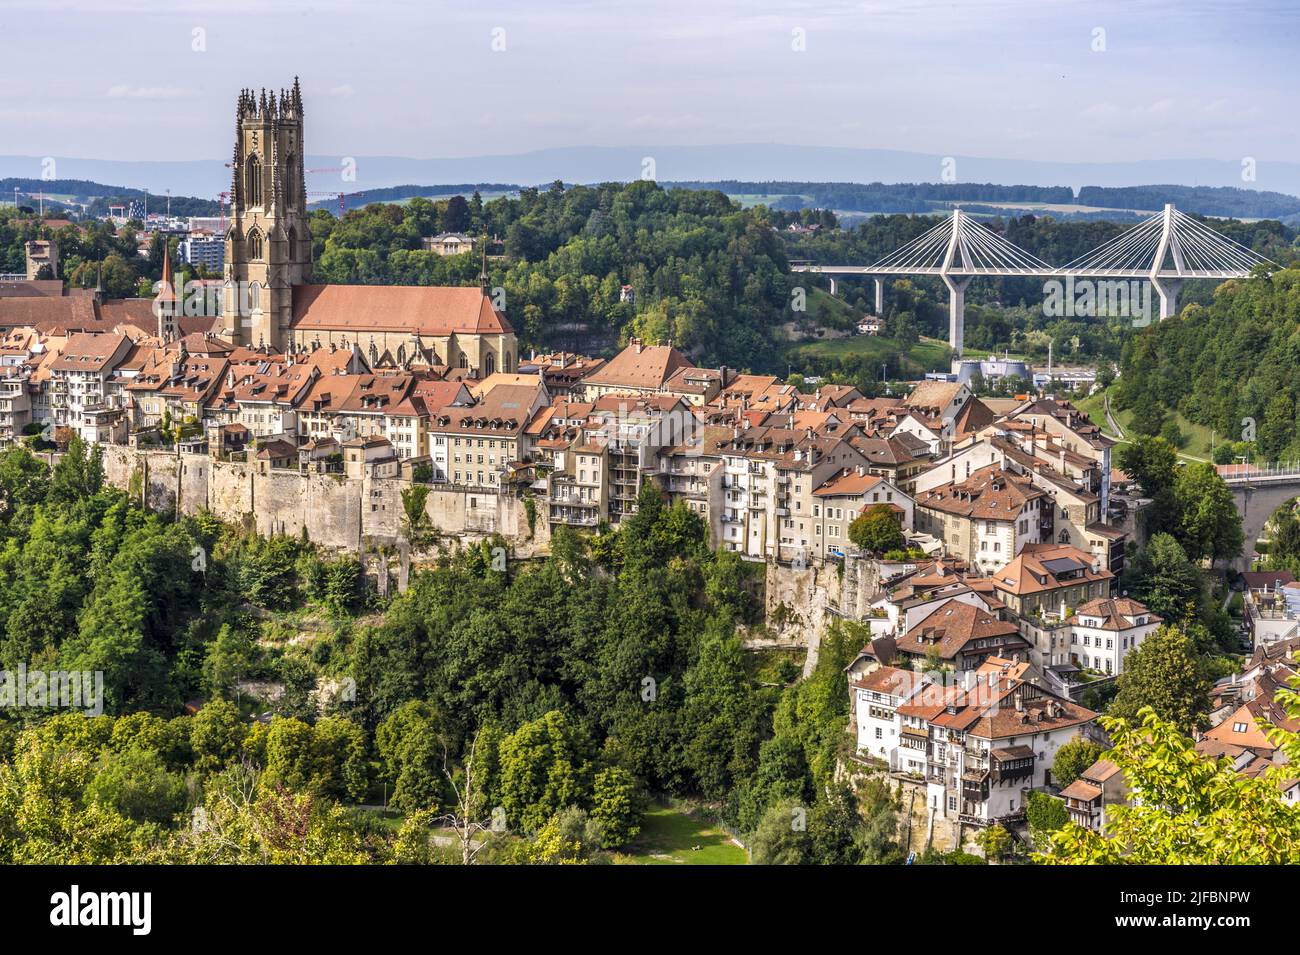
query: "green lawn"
668, 837
1197, 447
748, 199
929, 354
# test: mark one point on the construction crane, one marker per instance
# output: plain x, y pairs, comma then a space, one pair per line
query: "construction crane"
342, 200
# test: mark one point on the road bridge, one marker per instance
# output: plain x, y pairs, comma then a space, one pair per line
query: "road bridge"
1167, 249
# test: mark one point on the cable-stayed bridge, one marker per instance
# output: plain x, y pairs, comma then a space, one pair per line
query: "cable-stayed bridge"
1166, 250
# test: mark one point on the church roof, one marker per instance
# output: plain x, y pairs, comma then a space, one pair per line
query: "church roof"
435, 311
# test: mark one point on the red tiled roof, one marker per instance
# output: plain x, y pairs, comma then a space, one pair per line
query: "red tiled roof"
435, 311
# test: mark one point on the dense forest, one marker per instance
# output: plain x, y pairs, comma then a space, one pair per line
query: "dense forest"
543, 700
1222, 201
1228, 363
708, 275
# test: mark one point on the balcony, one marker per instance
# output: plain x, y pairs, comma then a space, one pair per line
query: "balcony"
573, 500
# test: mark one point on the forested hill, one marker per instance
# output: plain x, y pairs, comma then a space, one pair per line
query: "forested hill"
921, 197
93, 199
1217, 364
707, 274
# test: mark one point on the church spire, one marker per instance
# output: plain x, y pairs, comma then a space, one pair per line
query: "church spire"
483, 272
166, 291
164, 303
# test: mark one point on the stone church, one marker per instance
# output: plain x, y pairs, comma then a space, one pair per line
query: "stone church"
269, 299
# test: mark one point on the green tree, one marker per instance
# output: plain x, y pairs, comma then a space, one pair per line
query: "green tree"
995, 841
782, 837
45, 815
614, 807
414, 745
1184, 808
1165, 580
1073, 758
413, 499
216, 735
545, 766
1152, 464
1209, 524
1278, 428
877, 530
1045, 814
1164, 674
136, 784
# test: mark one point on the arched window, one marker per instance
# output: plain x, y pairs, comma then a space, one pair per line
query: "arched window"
253, 180
505, 362
490, 365
288, 181
254, 245
464, 360
293, 244
1065, 537
255, 297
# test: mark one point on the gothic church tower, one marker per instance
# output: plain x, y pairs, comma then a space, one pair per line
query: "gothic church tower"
268, 243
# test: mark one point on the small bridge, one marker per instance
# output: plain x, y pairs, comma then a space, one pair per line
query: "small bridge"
1166, 250
1258, 491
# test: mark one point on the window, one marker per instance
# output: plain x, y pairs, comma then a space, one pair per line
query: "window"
254, 245
253, 180
1239, 727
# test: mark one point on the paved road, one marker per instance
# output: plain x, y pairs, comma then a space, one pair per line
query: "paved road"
1114, 425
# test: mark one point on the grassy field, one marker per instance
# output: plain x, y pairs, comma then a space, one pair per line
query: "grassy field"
669, 837
756, 199
930, 354
1197, 447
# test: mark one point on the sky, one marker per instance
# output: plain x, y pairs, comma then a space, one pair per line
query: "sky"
1015, 79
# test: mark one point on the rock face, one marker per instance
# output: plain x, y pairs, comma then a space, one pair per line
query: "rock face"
352, 514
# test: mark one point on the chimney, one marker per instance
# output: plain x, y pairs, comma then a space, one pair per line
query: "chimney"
862, 471
1020, 703
1063, 460
636, 345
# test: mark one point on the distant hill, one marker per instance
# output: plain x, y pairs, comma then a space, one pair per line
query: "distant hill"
851, 200
1092, 202
755, 162
399, 193
96, 197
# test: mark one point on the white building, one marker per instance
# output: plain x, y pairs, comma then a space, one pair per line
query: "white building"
876, 696
983, 747
1103, 631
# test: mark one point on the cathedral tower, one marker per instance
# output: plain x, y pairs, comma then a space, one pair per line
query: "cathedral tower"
268, 243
